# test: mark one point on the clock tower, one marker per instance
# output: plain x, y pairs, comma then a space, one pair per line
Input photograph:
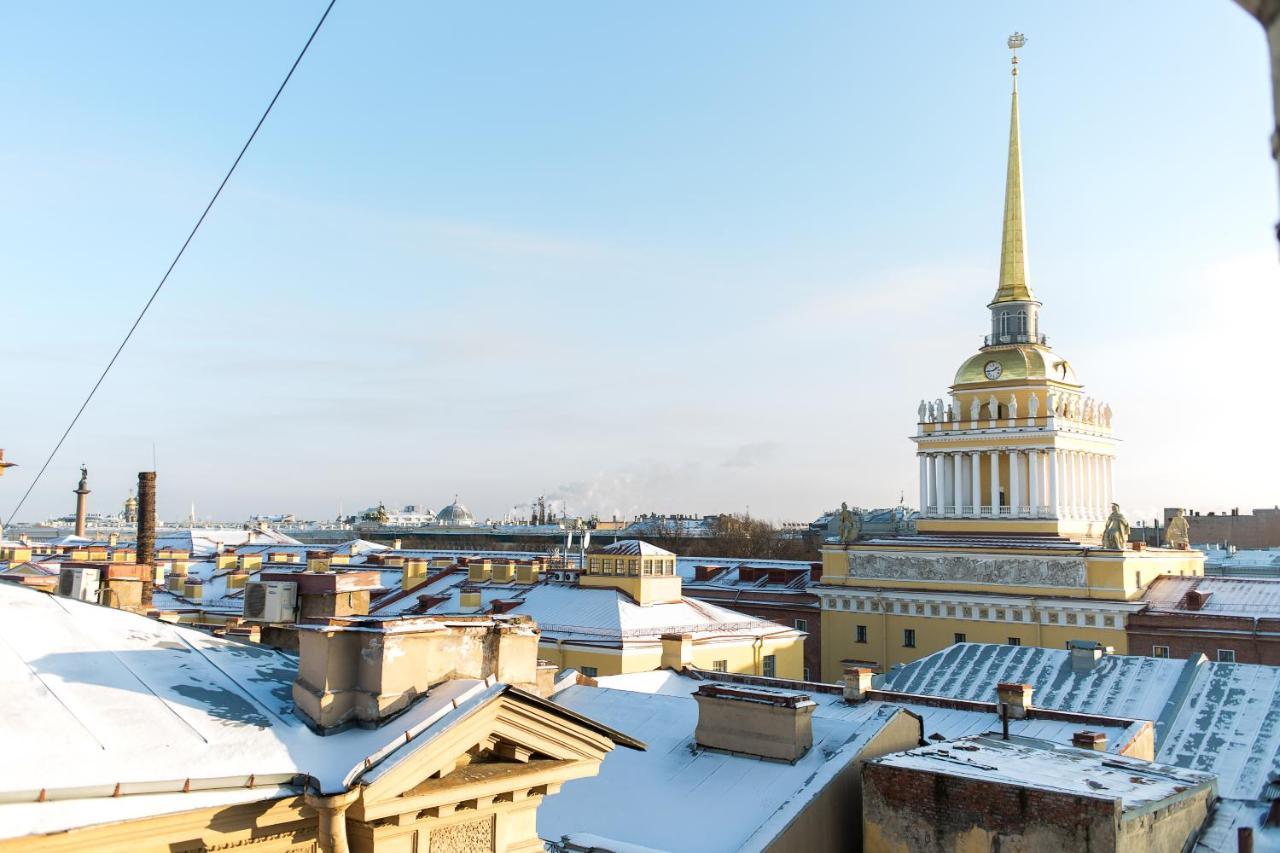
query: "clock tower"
1016, 446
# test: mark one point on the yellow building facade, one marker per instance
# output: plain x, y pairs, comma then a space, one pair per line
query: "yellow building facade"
1016, 488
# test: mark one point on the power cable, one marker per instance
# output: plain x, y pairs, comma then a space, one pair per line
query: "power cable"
176, 258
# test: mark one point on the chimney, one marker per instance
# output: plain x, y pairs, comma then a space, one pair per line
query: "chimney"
1085, 654
414, 573
1016, 697
318, 561
113, 539
479, 570
1196, 600
395, 544
365, 672
1244, 839
857, 683
81, 493
1096, 741
146, 555
759, 721
677, 651
469, 600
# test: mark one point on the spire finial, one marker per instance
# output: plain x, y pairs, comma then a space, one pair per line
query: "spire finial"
1015, 283
1016, 41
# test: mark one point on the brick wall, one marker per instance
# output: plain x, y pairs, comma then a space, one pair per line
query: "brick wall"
1261, 529
1188, 634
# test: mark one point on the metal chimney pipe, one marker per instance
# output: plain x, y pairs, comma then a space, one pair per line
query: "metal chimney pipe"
147, 530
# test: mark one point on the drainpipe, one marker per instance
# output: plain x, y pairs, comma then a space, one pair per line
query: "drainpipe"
331, 819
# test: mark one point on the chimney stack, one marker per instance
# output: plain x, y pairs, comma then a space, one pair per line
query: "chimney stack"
857, 683
146, 555
1096, 741
759, 721
1015, 697
81, 493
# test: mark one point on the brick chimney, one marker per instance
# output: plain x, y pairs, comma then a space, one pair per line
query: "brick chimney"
1096, 741
759, 721
146, 555
318, 561
1016, 696
857, 683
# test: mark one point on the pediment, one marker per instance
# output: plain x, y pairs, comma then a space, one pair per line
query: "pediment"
511, 746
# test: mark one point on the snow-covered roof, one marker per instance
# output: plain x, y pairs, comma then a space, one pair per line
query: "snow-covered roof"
1222, 718
940, 721
692, 799
1132, 687
1228, 596
585, 613
1032, 763
635, 548
96, 697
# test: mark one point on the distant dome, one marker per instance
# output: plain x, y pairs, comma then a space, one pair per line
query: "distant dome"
455, 515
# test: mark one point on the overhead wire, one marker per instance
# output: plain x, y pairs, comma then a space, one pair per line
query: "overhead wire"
165, 278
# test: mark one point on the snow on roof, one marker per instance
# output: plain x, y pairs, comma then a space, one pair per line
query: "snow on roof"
1228, 596
1215, 717
940, 722
1229, 725
635, 548
736, 802
572, 612
96, 696
1032, 763
1132, 687
1220, 832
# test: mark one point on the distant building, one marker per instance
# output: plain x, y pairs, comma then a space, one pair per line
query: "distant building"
1261, 529
868, 523
623, 611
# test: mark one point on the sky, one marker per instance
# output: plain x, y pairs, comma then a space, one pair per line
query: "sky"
665, 257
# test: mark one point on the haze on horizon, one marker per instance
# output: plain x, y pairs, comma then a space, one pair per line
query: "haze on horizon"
671, 258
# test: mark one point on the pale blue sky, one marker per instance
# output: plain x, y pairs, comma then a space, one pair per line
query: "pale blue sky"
669, 256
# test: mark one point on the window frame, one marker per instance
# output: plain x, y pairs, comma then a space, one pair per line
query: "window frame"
1156, 652
860, 634
769, 666
909, 638
1231, 653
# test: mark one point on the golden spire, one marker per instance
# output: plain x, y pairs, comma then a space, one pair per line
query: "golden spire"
1014, 286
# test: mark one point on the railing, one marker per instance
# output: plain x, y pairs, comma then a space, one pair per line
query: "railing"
1004, 510
993, 340
966, 510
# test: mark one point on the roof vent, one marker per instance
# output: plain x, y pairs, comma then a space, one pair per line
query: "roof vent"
1085, 654
1196, 599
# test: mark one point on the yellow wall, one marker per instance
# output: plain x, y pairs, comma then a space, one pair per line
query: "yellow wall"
742, 657
884, 646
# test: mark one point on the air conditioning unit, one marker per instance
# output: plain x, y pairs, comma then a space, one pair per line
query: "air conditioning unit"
271, 601
79, 582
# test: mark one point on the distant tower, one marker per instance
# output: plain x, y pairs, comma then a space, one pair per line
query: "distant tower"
81, 493
131, 509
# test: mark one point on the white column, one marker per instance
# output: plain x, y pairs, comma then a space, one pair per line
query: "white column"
924, 483
940, 482
1111, 483
1033, 482
1090, 487
1015, 493
1054, 512
1077, 503
994, 457
975, 481
957, 465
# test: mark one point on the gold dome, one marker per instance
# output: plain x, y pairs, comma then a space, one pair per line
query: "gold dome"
1021, 361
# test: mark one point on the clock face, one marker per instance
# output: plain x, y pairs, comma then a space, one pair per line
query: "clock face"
993, 370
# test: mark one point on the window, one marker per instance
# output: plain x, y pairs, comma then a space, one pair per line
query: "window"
770, 666
909, 638
589, 671
860, 634
961, 638
1013, 641
806, 674
802, 624
719, 666
1159, 651
1226, 656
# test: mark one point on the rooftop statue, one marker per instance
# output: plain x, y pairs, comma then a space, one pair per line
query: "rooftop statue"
1178, 533
1033, 406
975, 409
1013, 407
84, 478
1115, 535
922, 411
848, 525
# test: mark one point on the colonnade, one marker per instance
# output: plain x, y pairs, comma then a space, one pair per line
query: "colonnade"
1036, 482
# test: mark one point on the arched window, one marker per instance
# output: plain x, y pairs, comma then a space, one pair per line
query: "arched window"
1020, 323
1003, 327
